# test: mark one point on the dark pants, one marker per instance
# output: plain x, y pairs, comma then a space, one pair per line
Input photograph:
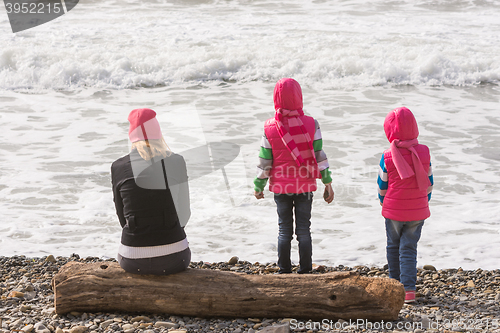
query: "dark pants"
164, 265
285, 204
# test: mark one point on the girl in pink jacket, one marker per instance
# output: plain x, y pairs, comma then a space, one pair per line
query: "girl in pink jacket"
405, 185
292, 158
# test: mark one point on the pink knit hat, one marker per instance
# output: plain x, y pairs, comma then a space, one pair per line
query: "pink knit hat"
143, 125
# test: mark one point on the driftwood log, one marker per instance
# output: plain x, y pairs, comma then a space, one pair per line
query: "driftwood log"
106, 287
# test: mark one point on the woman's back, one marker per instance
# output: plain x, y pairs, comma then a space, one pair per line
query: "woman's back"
151, 196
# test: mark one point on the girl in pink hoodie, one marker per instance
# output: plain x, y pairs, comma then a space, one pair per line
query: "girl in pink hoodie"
292, 158
405, 185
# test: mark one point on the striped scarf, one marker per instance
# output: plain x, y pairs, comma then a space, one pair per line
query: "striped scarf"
296, 128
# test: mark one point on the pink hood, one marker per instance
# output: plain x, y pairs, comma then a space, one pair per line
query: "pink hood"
287, 95
400, 124
402, 131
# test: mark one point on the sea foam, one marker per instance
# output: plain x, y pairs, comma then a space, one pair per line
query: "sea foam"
335, 45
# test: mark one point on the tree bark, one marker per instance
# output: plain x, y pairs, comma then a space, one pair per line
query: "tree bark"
106, 287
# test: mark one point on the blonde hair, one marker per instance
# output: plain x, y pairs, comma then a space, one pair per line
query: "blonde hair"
149, 149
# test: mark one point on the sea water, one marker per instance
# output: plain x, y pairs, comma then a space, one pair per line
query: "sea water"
208, 68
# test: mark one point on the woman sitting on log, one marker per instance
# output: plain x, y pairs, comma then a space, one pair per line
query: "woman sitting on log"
151, 196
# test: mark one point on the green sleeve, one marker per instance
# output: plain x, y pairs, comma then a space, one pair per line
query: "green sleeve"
266, 153
318, 145
326, 176
259, 184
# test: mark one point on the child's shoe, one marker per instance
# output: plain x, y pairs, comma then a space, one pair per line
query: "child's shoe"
410, 296
282, 272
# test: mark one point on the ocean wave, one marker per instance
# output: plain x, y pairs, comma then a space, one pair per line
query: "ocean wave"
345, 46
21, 68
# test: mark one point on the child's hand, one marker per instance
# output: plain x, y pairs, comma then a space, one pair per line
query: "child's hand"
258, 195
328, 194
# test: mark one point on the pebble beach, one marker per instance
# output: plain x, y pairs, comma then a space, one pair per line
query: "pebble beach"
448, 300
208, 68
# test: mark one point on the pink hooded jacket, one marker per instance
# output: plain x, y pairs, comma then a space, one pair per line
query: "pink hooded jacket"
286, 176
406, 197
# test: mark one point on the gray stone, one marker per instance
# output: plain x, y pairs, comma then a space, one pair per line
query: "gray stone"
233, 261
49, 311
25, 308
27, 328
17, 323
50, 258
41, 328
114, 327
140, 318
106, 323
282, 328
29, 295
78, 329
222, 325
426, 323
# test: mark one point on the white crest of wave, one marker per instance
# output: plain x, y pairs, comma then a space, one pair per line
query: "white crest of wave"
339, 45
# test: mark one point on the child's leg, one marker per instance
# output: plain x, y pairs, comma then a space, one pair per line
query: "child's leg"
408, 253
284, 205
393, 231
303, 205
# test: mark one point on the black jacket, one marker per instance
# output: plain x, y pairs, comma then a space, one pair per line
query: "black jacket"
144, 202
